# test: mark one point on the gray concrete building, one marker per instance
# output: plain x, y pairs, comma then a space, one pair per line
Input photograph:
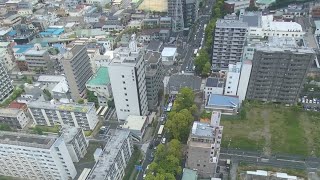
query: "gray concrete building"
204, 146
77, 70
51, 113
76, 142
6, 86
114, 158
229, 39
154, 78
279, 70
190, 12
175, 11
38, 59
15, 118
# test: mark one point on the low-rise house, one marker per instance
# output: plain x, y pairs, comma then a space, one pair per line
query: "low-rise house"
226, 104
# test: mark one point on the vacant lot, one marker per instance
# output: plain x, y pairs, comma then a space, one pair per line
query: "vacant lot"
154, 5
274, 129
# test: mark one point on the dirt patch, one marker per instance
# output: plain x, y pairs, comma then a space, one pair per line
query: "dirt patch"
154, 5
266, 132
307, 126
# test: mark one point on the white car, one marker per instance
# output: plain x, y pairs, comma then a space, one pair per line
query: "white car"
163, 141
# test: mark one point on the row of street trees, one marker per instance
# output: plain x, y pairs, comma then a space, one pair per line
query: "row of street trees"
168, 157
202, 61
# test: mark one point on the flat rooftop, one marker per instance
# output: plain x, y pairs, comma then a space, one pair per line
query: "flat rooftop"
50, 78
168, 51
28, 140
100, 78
34, 52
69, 132
189, 174
221, 23
107, 158
202, 129
82, 108
9, 112
135, 122
223, 100
215, 82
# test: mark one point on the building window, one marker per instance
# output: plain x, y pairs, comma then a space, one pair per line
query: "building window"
198, 164
123, 82
126, 99
122, 76
125, 88
127, 105
125, 94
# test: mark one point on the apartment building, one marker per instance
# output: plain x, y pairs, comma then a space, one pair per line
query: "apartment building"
51, 113
38, 58
204, 146
6, 86
100, 84
236, 5
114, 158
190, 11
229, 39
76, 142
175, 11
244, 79
12, 20
279, 70
28, 156
77, 70
6, 55
128, 81
154, 78
15, 118
232, 82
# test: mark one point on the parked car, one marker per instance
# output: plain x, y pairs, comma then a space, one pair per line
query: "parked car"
163, 141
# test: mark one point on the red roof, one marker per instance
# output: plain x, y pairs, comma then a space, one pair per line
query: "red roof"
17, 105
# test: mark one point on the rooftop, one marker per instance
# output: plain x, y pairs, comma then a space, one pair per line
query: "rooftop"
107, 158
82, 108
154, 46
69, 132
178, 81
17, 105
265, 2
50, 78
268, 23
223, 100
152, 57
28, 140
226, 23
168, 51
202, 129
52, 31
9, 112
189, 174
134, 122
252, 18
100, 78
34, 52
215, 82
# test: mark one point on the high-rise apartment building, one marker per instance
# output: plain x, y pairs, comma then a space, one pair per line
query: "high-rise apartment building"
37, 157
114, 158
128, 81
229, 39
5, 84
77, 69
50, 113
175, 11
154, 78
279, 69
232, 82
190, 12
204, 146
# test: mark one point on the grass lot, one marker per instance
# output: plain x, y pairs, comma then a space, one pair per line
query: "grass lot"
89, 156
293, 172
130, 171
274, 129
53, 129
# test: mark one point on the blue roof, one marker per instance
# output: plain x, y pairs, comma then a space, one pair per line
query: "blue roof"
223, 100
52, 31
12, 33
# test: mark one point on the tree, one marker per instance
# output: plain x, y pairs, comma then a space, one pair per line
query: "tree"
206, 69
47, 93
37, 130
92, 98
5, 127
179, 124
193, 109
184, 100
81, 101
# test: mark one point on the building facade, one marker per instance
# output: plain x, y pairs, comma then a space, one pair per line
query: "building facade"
76, 115
204, 146
244, 79
190, 12
77, 69
15, 118
213, 86
6, 86
232, 81
229, 39
128, 81
154, 78
279, 70
29, 156
175, 11
114, 158
38, 59
76, 142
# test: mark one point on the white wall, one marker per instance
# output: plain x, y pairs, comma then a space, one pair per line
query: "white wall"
212, 90
23, 119
232, 81
244, 80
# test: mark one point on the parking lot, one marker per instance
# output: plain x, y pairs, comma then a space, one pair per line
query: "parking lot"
310, 104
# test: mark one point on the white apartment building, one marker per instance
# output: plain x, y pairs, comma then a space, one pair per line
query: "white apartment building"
114, 158
269, 27
15, 118
244, 80
51, 113
232, 81
5, 56
128, 81
213, 86
6, 86
76, 142
35, 157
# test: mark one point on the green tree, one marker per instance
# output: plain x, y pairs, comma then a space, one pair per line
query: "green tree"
179, 124
184, 100
47, 93
5, 127
206, 69
193, 109
201, 60
37, 130
81, 101
92, 98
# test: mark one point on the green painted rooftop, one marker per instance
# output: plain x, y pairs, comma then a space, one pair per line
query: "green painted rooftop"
189, 174
101, 77
266, 2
